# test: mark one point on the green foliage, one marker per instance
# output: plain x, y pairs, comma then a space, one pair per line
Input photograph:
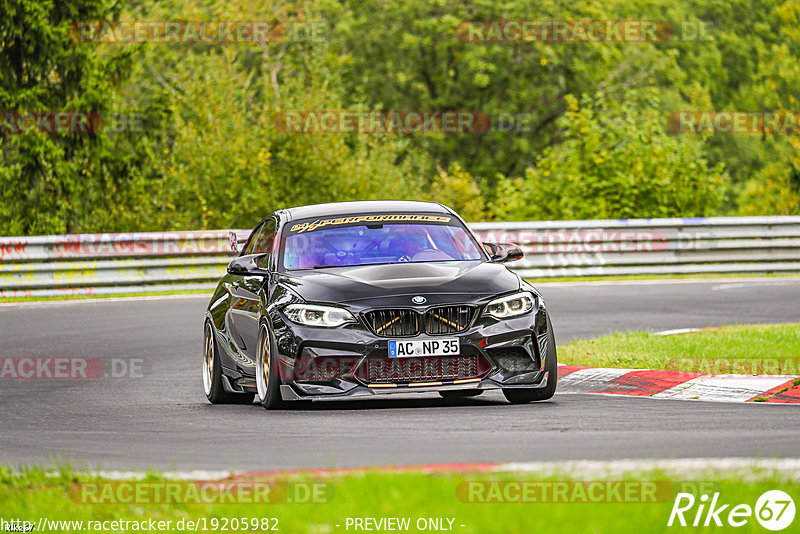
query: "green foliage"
40, 174
615, 160
408, 55
68, 182
775, 189
456, 188
211, 155
227, 163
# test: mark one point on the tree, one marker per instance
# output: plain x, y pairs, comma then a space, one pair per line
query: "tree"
226, 160
775, 190
615, 161
62, 182
455, 188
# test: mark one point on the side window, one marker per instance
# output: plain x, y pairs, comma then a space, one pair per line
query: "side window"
251, 241
266, 238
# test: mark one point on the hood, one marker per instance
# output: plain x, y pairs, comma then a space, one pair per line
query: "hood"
435, 280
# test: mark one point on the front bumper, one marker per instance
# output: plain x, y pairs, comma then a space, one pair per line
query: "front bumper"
327, 363
290, 392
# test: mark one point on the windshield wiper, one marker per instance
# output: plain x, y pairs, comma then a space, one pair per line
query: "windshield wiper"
327, 266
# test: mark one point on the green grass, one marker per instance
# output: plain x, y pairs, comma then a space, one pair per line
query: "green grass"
33, 493
738, 349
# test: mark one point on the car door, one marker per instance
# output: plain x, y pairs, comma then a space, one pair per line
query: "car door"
245, 292
232, 284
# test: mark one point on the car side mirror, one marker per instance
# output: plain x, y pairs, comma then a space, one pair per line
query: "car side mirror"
249, 265
504, 252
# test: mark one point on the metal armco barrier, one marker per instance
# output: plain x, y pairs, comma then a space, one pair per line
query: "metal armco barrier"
652, 246
171, 261
88, 264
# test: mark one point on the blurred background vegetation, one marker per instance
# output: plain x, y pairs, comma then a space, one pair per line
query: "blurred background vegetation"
594, 142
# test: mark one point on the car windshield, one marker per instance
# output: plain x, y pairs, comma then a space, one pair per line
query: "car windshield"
371, 244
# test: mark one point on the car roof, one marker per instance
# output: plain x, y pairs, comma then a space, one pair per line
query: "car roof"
363, 206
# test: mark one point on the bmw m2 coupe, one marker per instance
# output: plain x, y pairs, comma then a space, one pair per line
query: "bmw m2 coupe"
374, 298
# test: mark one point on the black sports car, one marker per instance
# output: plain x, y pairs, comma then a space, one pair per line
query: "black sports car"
368, 298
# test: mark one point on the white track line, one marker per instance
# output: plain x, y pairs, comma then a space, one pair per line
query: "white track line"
691, 468
196, 474
676, 331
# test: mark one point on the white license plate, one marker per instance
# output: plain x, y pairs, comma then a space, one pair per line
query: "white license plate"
423, 347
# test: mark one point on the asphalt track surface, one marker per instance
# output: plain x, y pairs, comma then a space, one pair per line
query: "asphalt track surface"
161, 419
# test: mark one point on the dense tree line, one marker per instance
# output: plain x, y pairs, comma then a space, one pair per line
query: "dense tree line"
579, 130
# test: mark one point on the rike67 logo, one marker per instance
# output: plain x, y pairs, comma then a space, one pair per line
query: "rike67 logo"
774, 510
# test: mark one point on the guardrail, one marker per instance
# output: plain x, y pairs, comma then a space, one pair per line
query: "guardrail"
652, 246
88, 264
171, 261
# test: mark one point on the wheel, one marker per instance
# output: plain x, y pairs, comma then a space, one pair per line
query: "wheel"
267, 380
212, 374
460, 393
523, 395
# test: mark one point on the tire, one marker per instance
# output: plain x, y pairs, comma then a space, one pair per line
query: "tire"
525, 395
268, 381
460, 393
212, 374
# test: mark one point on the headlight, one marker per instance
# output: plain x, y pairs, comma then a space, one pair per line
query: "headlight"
510, 306
313, 315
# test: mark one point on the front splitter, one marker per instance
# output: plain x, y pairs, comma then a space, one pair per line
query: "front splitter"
289, 392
